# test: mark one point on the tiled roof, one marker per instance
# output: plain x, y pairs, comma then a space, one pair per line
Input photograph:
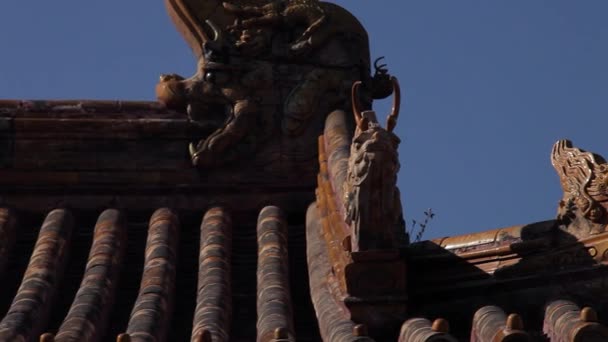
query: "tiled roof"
103, 305
137, 272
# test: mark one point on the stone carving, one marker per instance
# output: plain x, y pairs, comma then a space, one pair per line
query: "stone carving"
372, 200
584, 179
255, 83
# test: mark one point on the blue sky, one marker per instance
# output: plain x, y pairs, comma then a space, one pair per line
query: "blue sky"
489, 87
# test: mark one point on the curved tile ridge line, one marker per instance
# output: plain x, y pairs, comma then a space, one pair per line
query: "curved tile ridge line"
333, 317
337, 140
273, 295
88, 315
214, 293
422, 330
8, 234
566, 321
151, 314
28, 314
491, 323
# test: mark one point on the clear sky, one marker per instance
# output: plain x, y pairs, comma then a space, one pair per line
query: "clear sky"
489, 87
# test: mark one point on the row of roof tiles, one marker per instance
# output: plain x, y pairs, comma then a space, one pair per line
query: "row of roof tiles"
28, 316
564, 322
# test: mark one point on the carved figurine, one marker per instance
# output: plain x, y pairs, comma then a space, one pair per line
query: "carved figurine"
584, 179
372, 200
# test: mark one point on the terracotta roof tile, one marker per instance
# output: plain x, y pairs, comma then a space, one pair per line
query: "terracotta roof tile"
334, 318
213, 312
565, 322
490, 323
28, 314
275, 313
422, 330
151, 314
88, 315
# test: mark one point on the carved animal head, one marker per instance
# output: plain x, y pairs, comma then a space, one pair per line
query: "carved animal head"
213, 72
249, 92
220, 98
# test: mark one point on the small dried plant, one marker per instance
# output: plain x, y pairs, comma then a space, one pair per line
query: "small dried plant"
419, 227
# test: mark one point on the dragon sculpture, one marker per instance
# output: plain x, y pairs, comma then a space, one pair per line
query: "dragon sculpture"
372, 200
256, 85
322, 20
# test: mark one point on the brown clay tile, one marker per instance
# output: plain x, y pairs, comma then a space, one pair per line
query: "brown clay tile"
152, 311
88, 315
490, 323
273, 293
422, 330
337, 140
214, 296
335, 230
566, 322
333, 317
28, 314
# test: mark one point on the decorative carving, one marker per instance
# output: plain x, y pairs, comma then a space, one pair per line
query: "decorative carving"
372, 200
584, 179
321, 20
221, 97
254, 83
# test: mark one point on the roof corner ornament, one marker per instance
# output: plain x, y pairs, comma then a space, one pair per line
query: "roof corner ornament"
584, 179
372, 201
255, 82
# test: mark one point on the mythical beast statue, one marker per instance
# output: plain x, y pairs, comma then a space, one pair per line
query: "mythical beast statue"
372, 200
256, 86
583, 210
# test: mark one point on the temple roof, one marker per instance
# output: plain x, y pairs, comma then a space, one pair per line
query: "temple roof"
139, 244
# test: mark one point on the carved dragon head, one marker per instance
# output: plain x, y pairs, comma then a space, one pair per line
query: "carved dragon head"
221, 98
254, 82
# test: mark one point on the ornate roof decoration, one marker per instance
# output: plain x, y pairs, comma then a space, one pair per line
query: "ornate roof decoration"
108, 232
584, 179
371, 198
255, 82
